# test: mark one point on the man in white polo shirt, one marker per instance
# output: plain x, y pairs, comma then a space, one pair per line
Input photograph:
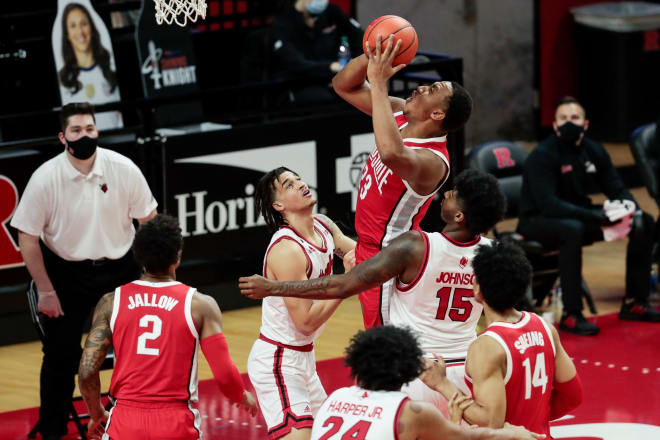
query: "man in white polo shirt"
75, 222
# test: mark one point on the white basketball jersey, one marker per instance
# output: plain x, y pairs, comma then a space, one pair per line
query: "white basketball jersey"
439, 303
276, 323
358, 413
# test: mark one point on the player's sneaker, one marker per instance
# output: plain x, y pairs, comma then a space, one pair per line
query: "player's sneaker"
578, 324
639, 311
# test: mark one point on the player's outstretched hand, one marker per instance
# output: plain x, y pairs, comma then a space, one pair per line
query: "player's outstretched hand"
457, 405
349, 260
249, 404
519, 433
435, 372
96, 427
380, 63
255, 287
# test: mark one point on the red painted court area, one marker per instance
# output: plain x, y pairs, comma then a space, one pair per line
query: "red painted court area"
619, 368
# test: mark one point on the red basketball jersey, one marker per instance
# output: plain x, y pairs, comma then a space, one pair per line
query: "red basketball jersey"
530, 370
155, 342
387, 206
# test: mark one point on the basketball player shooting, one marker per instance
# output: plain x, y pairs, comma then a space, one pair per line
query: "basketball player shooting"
410, 162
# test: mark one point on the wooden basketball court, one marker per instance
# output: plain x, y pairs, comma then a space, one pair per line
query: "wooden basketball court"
604, 272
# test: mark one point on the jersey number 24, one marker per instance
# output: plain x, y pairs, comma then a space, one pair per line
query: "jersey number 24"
356, 432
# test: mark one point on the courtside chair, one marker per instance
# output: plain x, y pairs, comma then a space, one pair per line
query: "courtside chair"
108, 364
504, 160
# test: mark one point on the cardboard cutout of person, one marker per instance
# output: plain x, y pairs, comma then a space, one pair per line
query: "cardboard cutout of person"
84, 59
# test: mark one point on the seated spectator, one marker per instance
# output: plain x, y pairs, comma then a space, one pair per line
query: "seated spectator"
306, 39
555, 210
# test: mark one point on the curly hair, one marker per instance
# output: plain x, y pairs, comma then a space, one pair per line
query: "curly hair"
384, 358
503, 273
264, 196
69, 73
459, 108
157, 244
480, 199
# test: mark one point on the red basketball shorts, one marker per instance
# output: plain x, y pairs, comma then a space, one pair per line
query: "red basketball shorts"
144, 421
375, 301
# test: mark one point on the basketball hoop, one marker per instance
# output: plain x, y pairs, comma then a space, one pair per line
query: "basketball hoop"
179, 11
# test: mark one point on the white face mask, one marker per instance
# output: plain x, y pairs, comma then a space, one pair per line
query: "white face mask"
316, 7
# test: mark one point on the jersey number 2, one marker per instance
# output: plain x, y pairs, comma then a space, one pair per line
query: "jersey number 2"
461, 307
538, 379
356, 432
149, 336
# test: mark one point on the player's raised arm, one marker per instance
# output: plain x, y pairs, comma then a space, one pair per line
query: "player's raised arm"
567, 391
207, 316
350, 83
421, 168
404, 255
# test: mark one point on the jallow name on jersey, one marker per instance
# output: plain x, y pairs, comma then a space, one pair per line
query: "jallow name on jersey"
143, 300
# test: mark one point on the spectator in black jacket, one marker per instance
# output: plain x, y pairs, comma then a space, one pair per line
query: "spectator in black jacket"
555, 210
306, 39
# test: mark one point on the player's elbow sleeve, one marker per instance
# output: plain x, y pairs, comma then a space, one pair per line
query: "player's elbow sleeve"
224, 371
565, 397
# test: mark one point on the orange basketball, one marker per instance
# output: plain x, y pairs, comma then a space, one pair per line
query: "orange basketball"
392, 25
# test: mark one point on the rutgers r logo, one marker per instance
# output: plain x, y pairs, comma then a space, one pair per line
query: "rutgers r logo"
10, 254
463, 262
503, 156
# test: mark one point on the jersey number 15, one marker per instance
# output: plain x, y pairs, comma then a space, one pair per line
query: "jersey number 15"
461, 307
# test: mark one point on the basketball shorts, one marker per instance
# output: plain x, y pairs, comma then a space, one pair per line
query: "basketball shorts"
418, 390
145, 421
288, 388
375, 301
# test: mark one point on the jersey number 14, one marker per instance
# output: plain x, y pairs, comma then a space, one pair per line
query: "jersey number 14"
538, 378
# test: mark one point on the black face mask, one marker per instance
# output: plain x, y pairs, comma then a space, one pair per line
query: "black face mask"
569, 133
83, 148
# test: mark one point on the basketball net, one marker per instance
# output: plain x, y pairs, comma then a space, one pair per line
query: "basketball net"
179, 11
